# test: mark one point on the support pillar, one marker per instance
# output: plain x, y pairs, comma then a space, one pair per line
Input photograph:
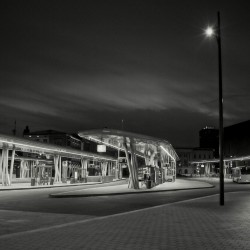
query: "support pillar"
132, 165
57, 163
12, 163
4, 166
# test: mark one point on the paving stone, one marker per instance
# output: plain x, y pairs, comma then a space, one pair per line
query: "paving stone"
194, 224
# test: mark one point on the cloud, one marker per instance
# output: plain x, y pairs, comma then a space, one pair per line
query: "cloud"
28, 106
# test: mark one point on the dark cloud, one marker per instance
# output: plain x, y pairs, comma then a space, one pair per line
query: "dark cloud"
74, 65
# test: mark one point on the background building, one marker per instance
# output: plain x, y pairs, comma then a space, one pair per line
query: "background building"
209, 138
237, 139
207, 150
187, 155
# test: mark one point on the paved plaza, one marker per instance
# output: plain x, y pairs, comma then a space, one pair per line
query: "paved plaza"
199, 223
194, 224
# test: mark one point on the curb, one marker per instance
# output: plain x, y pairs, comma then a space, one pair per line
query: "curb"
53, 186
49, 186
123, 193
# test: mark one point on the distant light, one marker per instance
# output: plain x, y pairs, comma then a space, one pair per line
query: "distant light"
209, 31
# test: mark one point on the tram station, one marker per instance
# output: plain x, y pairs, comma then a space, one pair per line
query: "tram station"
40, 163
147, 158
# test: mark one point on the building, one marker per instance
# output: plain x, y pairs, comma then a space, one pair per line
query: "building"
237, 139
209, 138
188, 155
236, 151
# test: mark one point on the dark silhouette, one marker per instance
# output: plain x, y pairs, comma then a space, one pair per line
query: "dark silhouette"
26, 131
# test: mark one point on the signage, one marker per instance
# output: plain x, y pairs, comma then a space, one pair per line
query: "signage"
101, 148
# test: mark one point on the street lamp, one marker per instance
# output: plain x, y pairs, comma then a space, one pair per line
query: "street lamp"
211, 32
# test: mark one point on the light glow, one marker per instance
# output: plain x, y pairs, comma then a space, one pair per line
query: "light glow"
209, 31
168, 153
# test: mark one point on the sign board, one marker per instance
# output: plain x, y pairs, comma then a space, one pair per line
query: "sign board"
101, 148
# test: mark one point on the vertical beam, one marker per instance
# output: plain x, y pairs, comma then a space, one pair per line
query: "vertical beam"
5, 173
86, 168
1, 164
12, 163
60, 168
116, 170
134, 164
130, 184
7, 177
82, 167
56, 161
104, 166
21, 168
174, 170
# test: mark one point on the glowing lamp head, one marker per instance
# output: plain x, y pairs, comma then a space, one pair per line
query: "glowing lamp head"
209, 31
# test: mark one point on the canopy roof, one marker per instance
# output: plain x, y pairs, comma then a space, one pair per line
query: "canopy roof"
115, 138
30, 146
227, 159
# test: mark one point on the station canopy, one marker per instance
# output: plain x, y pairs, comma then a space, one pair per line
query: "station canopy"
142, 143
35, 147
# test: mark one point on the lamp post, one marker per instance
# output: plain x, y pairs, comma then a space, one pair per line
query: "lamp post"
210, 32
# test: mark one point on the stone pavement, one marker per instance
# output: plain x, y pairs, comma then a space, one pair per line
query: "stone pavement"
199, 223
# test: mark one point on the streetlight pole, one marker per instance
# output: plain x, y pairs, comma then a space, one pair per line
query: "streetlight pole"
217, 34
221, 132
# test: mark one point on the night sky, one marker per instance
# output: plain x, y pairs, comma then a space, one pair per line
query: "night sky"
79, 65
